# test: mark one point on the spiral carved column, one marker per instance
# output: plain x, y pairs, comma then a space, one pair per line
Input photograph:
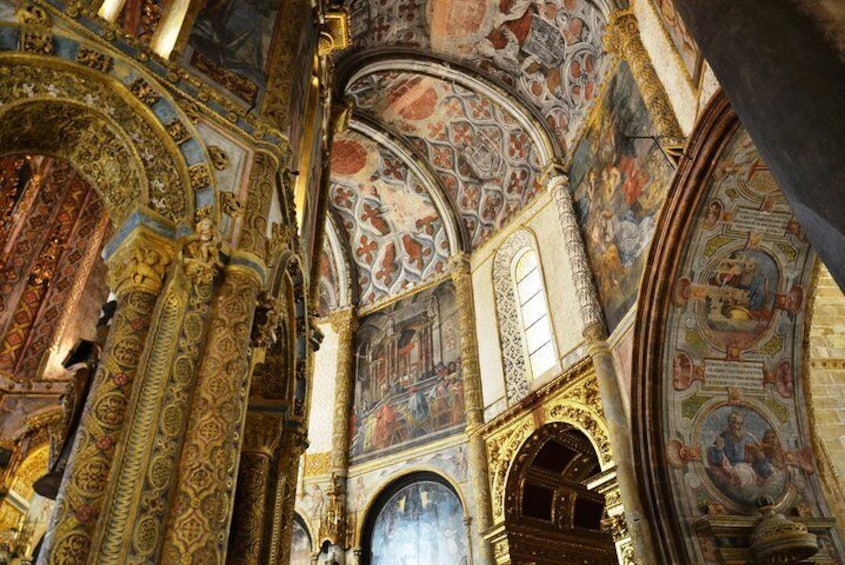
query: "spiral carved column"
135, 273
198, 525
473, 404
616, 416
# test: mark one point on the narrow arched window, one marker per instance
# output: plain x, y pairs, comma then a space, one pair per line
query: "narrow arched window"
534, 312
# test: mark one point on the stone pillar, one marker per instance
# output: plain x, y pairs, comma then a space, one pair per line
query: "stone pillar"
473, 404
135, 274
345, 323
292, 446
261, 437
622, 39
198, 525
148, 454
595, 334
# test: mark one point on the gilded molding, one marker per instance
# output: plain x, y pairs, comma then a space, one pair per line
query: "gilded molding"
262, 182
622, 39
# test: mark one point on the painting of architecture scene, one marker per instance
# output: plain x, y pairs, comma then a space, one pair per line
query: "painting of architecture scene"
408, 384
619, 181
230, 43
422, 523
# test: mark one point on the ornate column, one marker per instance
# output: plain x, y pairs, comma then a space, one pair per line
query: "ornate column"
622, 39
198, 525
135, 272
595, 334
291, 448
146, 462
473, 404
345, 323
261, 437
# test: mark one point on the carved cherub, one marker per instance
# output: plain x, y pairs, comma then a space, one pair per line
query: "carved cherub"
202, 250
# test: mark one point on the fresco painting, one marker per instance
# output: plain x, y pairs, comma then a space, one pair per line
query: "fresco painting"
681, 38
419, 525
619, 184
485, 160
300, 547
230, 42
745, 457
398, 238
408, 383
549, 52
733, 405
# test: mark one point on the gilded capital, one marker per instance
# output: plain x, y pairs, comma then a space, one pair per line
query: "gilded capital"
262, 433
139, 264
344, 322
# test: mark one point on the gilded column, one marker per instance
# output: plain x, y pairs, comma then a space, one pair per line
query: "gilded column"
595, 335
198, 525
292, 447
145, 466
261, 437
623, 41
473, 404
135, 274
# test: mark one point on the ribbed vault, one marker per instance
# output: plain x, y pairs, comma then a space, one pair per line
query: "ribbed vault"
458, 110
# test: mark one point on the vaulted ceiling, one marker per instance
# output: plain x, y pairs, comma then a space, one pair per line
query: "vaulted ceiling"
458, 108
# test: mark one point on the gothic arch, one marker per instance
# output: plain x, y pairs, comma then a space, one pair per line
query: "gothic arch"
688, 329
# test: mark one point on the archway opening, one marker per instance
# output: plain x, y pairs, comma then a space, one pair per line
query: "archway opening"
417, 520
550, 501
53, 225
300, 547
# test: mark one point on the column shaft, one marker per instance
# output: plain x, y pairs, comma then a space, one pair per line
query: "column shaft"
250, 509
198, 525
616, 417
623, 40
473, 406
136, 271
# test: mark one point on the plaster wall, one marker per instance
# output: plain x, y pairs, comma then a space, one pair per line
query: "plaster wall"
540, 218
321, 418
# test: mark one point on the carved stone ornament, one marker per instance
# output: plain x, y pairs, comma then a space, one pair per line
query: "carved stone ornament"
219, 158
265, 321
201, 253
139, 264
777, 540
230, 204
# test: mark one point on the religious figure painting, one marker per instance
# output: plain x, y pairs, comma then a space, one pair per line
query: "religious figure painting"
745, 457
619, 177
230, 42
421, 524
681, 38
408, 383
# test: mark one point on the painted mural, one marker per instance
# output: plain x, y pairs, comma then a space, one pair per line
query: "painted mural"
485, 160
329, 299
300, 546
550, 52
397, 237
734, 414
230, 42
421, 524
680, 37
619, 184
408, 383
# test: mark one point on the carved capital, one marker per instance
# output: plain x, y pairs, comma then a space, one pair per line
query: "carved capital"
344, 322
139, 263
262, 433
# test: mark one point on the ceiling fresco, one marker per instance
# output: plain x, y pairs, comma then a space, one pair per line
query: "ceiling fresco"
484, 159
549, 52
397, 238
